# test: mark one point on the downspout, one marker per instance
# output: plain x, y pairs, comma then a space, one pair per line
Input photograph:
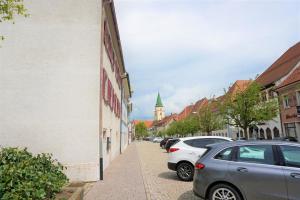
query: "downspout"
280, 117
121, 117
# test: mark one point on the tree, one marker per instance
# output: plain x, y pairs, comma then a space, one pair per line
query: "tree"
191, 125
141, 130
9, 9
209, 118
246, 108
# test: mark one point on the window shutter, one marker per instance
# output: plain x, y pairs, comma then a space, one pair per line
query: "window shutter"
104, 85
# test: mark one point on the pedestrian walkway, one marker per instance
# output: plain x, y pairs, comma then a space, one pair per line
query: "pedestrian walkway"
122, 179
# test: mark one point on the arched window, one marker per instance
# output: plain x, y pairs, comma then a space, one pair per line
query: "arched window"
262, 133
276, 132
241, 134
251, 132
269, 134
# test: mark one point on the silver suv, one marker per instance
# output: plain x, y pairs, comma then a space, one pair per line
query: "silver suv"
256, 170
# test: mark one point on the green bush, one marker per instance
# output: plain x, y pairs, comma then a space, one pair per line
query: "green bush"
25, 176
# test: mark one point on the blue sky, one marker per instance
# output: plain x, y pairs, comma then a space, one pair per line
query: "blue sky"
190, 49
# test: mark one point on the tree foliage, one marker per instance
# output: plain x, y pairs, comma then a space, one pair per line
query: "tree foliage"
209, 118
188, 126
9, 9
25, 176
246, 108
141, 130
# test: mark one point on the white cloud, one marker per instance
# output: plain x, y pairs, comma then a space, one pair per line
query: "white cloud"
189, 49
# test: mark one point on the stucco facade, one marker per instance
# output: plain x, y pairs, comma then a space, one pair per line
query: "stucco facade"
289, 98
50, 85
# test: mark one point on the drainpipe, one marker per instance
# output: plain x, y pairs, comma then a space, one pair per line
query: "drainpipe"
121, 117
124, 76
280, 117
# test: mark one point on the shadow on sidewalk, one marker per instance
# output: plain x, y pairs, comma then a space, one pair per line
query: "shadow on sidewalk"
169, 175
189, 195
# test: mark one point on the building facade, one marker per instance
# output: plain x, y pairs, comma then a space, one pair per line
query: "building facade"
61, 85
289, 100
270, 79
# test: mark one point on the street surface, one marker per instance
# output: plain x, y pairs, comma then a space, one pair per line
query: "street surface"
141, 173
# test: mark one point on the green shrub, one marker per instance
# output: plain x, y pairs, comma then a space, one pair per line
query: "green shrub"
25, 176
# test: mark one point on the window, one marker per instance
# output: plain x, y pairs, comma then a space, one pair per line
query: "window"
271, 94
298, 97
291, 155
262, 154
290, 129
264, 96
286, 103
201, 143
226, 154
217, 140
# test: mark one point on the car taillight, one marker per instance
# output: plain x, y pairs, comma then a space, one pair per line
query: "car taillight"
199, 166
173, 150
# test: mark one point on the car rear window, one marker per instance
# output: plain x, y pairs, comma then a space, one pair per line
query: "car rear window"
172, 141
203, 142
226, 154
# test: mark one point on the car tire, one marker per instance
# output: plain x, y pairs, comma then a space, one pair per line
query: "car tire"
216, 192
185, 171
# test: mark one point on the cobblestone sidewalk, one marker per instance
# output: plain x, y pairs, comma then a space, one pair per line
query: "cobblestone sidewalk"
160, 182
141, 173
122, 180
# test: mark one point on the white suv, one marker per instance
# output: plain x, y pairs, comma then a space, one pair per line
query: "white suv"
184, 154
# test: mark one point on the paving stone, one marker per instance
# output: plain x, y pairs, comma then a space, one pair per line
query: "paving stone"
122, 179
160, 182
141, 173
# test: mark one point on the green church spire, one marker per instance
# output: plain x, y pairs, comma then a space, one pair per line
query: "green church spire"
158, 101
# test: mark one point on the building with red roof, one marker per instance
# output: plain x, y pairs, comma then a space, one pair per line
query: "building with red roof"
289, 101
281, 67
278, 75
165, 122
185, 112
148, 123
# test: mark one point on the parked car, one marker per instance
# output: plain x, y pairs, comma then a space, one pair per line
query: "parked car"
170, 143
252, 170
164, 141
157, 139
184, 154
149, 138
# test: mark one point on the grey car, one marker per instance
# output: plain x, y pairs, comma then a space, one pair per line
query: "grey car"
251, 170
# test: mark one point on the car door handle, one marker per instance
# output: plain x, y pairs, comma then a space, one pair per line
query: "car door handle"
242, 169
295, 175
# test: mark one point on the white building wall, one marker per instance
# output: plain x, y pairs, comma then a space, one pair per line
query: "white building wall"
49, 83
110, 122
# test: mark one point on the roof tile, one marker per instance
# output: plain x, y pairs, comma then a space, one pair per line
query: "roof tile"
281, 67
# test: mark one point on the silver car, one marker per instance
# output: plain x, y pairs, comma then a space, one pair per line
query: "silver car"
253, 170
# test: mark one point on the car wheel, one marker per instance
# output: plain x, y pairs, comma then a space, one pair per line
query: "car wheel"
224, 192
185, 171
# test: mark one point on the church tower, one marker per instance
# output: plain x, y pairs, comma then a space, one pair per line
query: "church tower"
159, 112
